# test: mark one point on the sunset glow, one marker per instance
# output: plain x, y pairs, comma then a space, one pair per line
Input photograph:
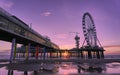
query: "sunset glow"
65, 54
57, 18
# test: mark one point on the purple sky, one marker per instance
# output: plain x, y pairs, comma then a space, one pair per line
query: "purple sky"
56, 18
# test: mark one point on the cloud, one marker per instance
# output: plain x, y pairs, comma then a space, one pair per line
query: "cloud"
47, 13
61, 36
111, 46
67, 46
112, 50
6, 4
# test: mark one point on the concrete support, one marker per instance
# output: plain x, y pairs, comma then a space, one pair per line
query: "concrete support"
15, 51
35, 73
12, 49
102, 54
89, 55
60, 54
78, 53
25, 73
10, 72
94, 54
98, 55
36, 54
57, 53
81, 54
27, 51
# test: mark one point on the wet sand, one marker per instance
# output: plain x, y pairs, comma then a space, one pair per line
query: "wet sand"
81, 74
34, 65
72, 60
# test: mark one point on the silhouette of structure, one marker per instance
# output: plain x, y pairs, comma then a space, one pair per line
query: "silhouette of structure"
77, 38
91, 47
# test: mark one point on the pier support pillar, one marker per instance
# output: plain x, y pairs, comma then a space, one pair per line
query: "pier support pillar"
98, 55
57, 53
81, 54
89, 55
27, 51
12, 49
10, 72
94, 54
15, 51
37, 52
35, 73
25, 73
102, 54
60, 54
78, 53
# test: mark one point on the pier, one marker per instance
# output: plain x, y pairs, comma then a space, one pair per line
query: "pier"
16, 31
37, 49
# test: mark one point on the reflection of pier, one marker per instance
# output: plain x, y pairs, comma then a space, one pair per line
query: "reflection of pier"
97, 68
35, 65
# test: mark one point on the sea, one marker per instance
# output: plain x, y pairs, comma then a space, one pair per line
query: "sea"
64, 68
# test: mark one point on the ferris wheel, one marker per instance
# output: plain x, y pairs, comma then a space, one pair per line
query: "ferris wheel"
89, 30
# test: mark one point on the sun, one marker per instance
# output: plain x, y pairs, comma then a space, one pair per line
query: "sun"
66, 54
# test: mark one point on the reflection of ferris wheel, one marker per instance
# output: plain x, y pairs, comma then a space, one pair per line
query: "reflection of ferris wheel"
89, 30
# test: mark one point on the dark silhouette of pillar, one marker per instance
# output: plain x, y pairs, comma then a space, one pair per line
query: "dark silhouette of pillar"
70, 54
102, 54
98, 55
12, 49
10, 72
50, 54
89, 55
81, 54
79, 70
37, 52
78, 53
60, 54
94, 54
35, 73
25, 73
57, 54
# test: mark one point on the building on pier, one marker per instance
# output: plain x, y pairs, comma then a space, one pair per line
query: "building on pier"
91, 47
